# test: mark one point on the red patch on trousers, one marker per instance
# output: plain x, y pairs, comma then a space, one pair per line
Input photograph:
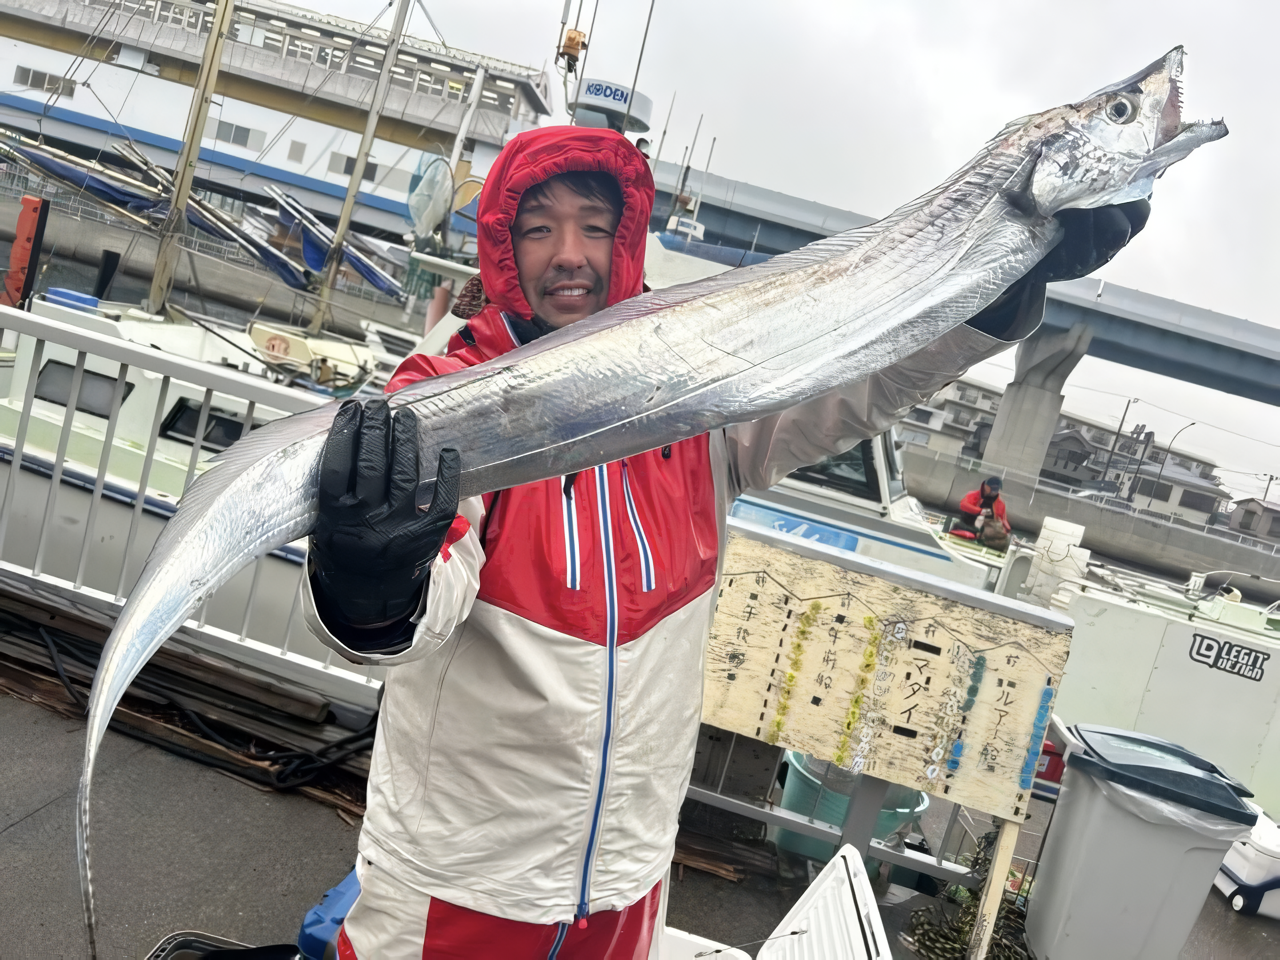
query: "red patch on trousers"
456, 933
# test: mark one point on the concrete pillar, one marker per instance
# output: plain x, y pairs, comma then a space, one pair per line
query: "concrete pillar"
1029, 409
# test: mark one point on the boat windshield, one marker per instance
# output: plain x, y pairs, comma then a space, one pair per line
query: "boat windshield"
852, 472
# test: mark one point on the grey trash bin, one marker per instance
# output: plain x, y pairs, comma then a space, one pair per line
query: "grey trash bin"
1140, 829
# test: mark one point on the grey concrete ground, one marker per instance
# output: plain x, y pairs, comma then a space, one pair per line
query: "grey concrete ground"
179, 846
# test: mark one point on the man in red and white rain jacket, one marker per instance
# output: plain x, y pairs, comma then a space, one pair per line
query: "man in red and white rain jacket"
537, 734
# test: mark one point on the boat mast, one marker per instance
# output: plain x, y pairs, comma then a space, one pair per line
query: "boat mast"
206, 80
333, 262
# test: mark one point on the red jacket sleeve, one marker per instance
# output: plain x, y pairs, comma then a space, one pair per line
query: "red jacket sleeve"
420, 367
972, 502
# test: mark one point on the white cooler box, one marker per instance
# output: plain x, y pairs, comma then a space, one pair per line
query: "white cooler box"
1250, 873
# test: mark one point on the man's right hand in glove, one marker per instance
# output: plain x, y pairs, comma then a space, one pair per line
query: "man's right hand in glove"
371, 550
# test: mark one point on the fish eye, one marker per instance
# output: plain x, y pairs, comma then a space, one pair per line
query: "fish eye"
1121, 110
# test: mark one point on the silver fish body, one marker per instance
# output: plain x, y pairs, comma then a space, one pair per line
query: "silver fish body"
676, 363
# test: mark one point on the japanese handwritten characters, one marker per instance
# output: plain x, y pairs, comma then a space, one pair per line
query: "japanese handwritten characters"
877, 677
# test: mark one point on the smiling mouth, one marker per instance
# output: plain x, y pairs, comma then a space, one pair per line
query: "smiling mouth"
569, 292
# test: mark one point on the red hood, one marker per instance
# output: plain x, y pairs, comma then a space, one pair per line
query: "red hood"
537, 155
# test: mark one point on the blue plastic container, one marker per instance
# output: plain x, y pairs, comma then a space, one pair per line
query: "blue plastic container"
318, 938
821, 791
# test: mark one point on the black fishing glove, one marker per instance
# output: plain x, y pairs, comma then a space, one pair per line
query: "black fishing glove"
1090, 239
372, 548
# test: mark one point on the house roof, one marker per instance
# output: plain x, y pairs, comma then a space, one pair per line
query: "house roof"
1266, 504
1172, 473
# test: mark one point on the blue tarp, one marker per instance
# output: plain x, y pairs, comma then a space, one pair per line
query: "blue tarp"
729, 256
98, 186
317, 240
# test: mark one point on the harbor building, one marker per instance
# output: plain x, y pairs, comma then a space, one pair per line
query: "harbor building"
290, 102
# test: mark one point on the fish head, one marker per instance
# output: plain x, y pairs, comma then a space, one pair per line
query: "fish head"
1110, 147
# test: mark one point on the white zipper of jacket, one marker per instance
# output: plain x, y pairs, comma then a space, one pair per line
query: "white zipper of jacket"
611, 653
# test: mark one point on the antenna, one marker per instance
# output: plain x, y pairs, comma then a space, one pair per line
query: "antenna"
658, 155
645, 39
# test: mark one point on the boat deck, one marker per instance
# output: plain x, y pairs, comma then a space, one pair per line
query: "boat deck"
179, 846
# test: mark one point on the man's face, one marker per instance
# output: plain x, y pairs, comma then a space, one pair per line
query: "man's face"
564, 247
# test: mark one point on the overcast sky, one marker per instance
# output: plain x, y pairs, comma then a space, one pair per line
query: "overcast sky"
864, 105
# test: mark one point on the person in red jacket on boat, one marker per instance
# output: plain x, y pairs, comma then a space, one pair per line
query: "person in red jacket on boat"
545, 643
984, 506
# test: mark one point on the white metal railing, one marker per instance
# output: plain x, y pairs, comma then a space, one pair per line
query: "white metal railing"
79, 517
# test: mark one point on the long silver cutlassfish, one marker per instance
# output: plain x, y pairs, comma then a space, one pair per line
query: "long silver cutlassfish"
676, 363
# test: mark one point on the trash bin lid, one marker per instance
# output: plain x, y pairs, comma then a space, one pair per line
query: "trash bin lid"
1161, 769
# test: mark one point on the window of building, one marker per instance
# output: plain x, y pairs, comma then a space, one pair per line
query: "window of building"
239, 136
1204, 502
301, 49
920, 416
297, 151
395, 179
39, 80
455, 90
341, 163
430, 83
1158, 491
967, 394
370, 169
1248, 519
1274, 529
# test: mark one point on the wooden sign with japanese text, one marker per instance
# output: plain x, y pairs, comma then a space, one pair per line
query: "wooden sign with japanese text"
881, 678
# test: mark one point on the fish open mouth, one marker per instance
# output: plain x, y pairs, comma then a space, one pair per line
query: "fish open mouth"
1171, 125
1171, 113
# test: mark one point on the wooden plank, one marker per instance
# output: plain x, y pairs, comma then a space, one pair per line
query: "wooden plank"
879, 677
993, 890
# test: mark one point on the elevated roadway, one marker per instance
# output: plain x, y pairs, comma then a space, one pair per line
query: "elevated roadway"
1137, 329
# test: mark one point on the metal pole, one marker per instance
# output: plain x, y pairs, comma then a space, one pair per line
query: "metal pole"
1167, 454
697, 205
683, 177
465, 128
445, 43
665, 124
1270, 478
1148, 439
333, 262
206, 81
1112, 452
582, 68
631, 97
675, 191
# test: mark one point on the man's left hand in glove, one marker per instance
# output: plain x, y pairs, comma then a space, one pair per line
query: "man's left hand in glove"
1090, 238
